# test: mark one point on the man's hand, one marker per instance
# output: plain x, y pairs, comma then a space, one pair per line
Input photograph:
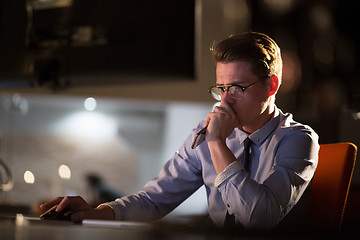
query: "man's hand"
220, 123
81, 208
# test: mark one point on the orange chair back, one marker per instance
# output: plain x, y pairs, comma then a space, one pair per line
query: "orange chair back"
331, 183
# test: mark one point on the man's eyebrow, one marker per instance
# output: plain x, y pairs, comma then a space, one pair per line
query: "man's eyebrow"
234, 83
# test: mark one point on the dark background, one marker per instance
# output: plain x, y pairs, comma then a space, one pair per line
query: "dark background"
140, 37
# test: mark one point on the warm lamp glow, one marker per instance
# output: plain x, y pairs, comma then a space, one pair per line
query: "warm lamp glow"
29, 177
64, 172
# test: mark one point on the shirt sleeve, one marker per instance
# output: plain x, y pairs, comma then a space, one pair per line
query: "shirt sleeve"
230, 170
177, 180
263, 204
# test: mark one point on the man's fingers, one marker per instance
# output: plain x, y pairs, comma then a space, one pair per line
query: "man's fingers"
48, 211
49, 205
77, 216
226, 108
63, 204
76, 203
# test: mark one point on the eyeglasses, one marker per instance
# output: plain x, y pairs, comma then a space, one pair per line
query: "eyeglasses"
236, 91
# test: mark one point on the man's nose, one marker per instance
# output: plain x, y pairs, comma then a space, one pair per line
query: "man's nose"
226, 96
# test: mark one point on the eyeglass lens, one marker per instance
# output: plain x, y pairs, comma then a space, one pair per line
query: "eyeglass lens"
234, 91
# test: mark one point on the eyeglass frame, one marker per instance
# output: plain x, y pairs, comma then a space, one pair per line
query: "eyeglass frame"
227, 87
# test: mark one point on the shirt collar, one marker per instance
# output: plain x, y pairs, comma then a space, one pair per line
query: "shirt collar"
261, 134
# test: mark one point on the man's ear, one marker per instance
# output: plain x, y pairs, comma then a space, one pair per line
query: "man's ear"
274, 85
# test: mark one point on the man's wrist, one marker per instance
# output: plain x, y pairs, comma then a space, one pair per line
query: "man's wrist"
221, 155
105, 212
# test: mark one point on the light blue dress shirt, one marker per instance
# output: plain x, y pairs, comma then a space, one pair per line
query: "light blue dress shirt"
283, 161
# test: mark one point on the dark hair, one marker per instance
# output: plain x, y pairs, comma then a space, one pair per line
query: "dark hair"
258, 49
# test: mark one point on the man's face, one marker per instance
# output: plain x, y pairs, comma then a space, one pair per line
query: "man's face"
250, 108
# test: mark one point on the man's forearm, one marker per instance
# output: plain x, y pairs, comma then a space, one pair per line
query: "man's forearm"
221, 155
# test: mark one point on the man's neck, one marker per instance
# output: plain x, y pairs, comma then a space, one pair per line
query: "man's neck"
263, 119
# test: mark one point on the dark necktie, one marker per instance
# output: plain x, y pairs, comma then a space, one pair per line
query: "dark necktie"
230, 219
247, 145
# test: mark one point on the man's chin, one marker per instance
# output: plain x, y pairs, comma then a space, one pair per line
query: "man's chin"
240, 126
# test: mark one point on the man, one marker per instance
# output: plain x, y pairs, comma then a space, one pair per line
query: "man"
256, 161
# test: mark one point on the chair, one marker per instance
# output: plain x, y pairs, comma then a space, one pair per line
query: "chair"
330, 185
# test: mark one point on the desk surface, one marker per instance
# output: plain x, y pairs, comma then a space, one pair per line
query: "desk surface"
12, 228
30, 229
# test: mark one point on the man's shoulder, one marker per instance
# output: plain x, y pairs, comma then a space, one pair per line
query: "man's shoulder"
287, 125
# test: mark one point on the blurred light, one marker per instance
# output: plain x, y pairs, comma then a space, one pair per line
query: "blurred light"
321, 17
237, 13
20, 220
64, 172
29, 177
235, 9
291, 77
356, 116
93, 125
45, 4
17, 104
280, 6
324, 51
90, 104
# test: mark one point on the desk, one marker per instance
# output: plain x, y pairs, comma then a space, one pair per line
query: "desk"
33, 229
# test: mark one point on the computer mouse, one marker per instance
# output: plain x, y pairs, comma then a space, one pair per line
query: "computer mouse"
64, 215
